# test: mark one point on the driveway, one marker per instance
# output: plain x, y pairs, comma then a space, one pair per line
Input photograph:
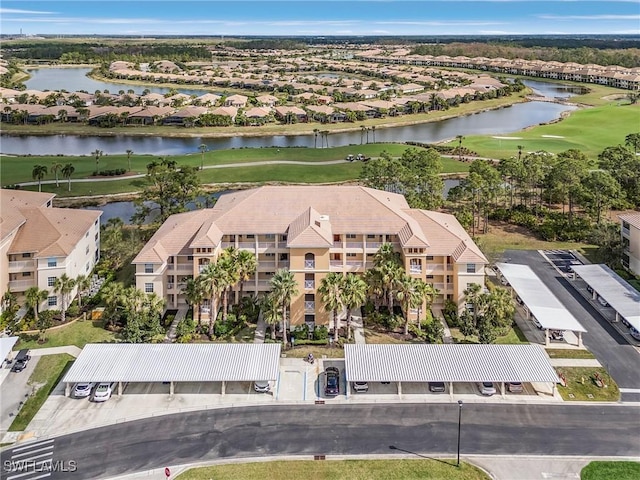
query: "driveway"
14, 390
602, 339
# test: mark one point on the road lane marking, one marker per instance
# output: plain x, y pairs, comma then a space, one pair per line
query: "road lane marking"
36, 444
19, 475
629, 390
34, 451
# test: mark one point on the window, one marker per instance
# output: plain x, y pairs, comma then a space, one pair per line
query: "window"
190, 257
284, 257
250, 236
270, 236
270, 255
415, 265
52, 301
95, 223
471, 268
369, 236
26, 274
351, 235
51, 281
625, 225
148, 288
429, 277
148, 268
309, 281
86, 250
309, 260
52, 262
97, 236
351, 255
26, 255
429, 257
86, 235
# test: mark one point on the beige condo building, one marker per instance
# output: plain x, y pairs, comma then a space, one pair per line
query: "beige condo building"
630, 231
39, 243
310, 230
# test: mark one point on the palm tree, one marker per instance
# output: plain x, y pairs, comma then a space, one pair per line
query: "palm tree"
428, 295
354, 294
212, 282
38, 173
362, 130
409, 296
34, 297
194, 295
67, 171
247, 266
315, 137
229, 277
202, 148
129, 153
373, 131
111, 295
84, 283
459, 138
283, 288
55, 168
64, 286
270, 312
330, 291
520, 147
472, 294
97, 154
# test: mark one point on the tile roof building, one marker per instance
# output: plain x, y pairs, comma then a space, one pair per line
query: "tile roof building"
39, 243
310, 230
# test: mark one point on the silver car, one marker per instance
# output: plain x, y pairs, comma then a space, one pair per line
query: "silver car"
83, 390
487, 388
261, 386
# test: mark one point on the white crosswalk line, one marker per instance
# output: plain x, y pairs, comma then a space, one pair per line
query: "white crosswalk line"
48, 454
44, 475
33, 445
629, 390
20, 475
48, 447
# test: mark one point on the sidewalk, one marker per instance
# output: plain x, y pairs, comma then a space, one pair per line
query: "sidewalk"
70, 349
171, 333
575, 362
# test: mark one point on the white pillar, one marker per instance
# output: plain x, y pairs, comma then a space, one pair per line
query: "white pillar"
593, 295
224, 388
502, 389
617, 316
451, 390
119, 389
528, 313
171, 387
67, 389
348, 392
546, 337
399, 389
580, 339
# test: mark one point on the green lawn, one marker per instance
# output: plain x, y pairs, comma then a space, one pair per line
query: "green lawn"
45, 377
590, 130
606, 470
302, 351
338, 470
581, 384
513, 337
569, 353
79, 334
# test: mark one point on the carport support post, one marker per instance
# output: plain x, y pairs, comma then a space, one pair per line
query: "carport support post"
67, 389
399, 389
224, 387
171, 389
580, 339
451, 390
119, 389
502, 389
546, 337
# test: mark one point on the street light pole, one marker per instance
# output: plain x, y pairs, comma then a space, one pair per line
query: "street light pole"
459, 418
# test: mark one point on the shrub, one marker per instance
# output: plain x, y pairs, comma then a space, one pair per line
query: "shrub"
320, 333
301, 332
73, 310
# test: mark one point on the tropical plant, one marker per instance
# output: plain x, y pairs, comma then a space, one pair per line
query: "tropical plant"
194, 296
84, 283
247, 265
129, 153
55, 168
34, 297
211, 280
270, 312
203, 149
354, 295
97, 154
64, 285
331, 294
409, 296
38, 173
67, 171
284, 287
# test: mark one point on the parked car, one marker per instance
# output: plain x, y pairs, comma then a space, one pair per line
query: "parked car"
487, 388
350, 158
536, 322
21, 361
519, 300
102, 392
360, 387
634, 333
83, 390
332, 382
504, 281
515, 387
625, 323
261, 386
436, 387
589, 289
602, 301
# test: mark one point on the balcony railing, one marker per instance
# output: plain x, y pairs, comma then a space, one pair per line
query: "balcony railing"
337, 243
439, 286
355, 244
228, 244
374, 245
266, 244
415, 270
22, 265
264, 283
20, 285
202, 267
335, 263
181, 267
309, 264
250, 245
309, 306
170, 286
626, 232
266, 264
309, 284
283, 264
354, 263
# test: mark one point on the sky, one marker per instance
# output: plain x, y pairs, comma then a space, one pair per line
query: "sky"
322, 18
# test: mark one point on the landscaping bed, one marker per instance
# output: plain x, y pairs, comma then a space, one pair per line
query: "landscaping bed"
569, 353
581, 385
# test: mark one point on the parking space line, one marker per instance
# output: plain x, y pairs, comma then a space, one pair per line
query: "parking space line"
32, 445
48, 447
279, 382
304, 390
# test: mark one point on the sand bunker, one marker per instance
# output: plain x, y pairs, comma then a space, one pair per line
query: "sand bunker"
552, 136
508, 138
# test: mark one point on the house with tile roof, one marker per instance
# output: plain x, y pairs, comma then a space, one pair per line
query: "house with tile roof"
39, 243
311, 231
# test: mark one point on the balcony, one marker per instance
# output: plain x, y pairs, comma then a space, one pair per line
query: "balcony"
309, 264
626, 232
309, 284
271, 244
181, 267
415, 270
170, 286
439, 286
374, 245
309, 306
21, 285
431, 268
337, 244
22, 266
263, 283
228, 244
355, 245
335, 263
283, 264
202, 267
266, 265
247, 245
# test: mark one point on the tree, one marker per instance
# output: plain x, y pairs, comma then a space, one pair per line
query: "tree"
270, 312
97, 154
84, 283
194, 294
409, 297
247, 265
354, 294
624, 166
129, 153
428, 295
632, 140
284, 288
315, 137
459, 138
212, 283
67, 171
55, 168
229, 276
203, 149
600, 191
389, 269
64, 286
34, 297
566, 175
472, 297
38, 173
330, 291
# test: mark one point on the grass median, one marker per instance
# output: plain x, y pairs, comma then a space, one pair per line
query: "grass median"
431, 469
78, 333
45, 377
582, 386
605, 470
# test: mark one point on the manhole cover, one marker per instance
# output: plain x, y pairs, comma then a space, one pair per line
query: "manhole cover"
589, 395
571, 395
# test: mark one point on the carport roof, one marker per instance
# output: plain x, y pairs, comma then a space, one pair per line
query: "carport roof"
616, 291
537, 297
128, 362
447, 363
6, 344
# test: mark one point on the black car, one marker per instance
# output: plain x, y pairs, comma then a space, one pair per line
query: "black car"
21, 361
436, 387
332, 382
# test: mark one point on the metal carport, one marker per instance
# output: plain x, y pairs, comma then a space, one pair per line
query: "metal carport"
540, 301
450, 363
621, 296
6, 344
166, 362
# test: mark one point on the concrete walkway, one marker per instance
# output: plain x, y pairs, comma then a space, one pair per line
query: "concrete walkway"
261, 329
171, 333
70, 349
575, 362
358, 328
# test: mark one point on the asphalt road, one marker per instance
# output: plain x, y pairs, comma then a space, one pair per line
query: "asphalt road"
15, 391
422, 429
605, 342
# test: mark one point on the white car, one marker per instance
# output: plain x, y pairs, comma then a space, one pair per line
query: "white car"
536, 322
360, 387
261, 386
102, 393
487, 388
602, 301
82, 390
634, 333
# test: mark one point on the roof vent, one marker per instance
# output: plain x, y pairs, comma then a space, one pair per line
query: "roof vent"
324, 218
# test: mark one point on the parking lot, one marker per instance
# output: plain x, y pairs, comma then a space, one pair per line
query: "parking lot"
562, 260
